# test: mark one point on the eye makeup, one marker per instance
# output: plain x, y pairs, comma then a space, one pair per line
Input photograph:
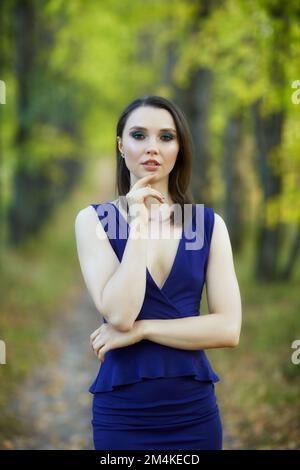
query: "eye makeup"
166, 137
144, 128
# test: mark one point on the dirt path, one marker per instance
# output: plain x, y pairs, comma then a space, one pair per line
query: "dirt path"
54, 405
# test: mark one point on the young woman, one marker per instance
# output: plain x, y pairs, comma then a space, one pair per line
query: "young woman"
155, 387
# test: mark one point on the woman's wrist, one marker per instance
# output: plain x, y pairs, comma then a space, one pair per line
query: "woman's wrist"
141, 328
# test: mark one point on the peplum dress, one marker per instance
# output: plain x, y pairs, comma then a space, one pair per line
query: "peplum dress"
149, 396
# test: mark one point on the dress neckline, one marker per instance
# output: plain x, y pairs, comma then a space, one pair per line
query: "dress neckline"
172, 269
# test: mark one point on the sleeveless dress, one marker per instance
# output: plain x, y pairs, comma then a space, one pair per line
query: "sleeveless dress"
149, 396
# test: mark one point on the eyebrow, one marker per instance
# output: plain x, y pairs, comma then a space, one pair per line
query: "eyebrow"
145, 128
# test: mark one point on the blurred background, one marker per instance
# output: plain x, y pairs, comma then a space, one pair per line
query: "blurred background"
67, 71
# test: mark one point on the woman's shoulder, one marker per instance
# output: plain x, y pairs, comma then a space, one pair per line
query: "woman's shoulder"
214, 219
220, 234
87, 221
91, 212
84, 217
85, 211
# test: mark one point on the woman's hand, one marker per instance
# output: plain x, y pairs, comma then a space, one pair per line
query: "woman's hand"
137, 195
107, 337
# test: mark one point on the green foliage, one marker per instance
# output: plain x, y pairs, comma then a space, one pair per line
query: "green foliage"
35, 290
259, 388
89, 59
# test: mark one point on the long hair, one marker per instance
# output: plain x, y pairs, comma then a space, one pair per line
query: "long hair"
180, 176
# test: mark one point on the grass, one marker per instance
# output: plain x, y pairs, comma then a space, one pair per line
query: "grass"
259, 388
41, 279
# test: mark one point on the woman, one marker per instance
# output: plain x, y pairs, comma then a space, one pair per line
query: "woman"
155, 387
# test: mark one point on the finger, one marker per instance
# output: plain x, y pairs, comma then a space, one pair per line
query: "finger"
96, 351
98, 343
101, 354
94, 334
142, 181
149, 190
153, 192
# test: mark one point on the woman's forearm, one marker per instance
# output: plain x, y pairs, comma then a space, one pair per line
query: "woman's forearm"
214, 330
124, 293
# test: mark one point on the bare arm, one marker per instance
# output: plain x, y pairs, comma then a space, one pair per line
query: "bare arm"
220, 328
124, 292
117, 289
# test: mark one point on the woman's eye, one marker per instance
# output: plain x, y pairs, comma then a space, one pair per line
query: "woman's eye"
169, 136
165, 137
137, 134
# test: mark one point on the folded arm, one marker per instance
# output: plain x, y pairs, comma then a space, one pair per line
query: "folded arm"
221, 328
110, 282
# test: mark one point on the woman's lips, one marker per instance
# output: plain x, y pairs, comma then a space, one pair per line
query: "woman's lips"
150, 166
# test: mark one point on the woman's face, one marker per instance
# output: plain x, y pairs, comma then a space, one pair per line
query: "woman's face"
150, 133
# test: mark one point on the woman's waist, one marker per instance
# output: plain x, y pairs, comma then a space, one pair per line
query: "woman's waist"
160, 392
146, 346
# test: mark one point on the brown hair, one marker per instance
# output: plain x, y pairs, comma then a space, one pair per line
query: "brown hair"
180, 176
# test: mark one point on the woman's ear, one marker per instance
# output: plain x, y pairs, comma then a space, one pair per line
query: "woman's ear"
119, 144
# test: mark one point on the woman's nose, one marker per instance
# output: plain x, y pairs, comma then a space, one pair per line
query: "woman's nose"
152, 146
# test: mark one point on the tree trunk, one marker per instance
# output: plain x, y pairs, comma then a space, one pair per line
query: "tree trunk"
195, 102
35, 191
268, 134
287, 270
235, 200
21, 210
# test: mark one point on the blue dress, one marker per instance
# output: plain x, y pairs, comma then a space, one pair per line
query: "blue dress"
149, 396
